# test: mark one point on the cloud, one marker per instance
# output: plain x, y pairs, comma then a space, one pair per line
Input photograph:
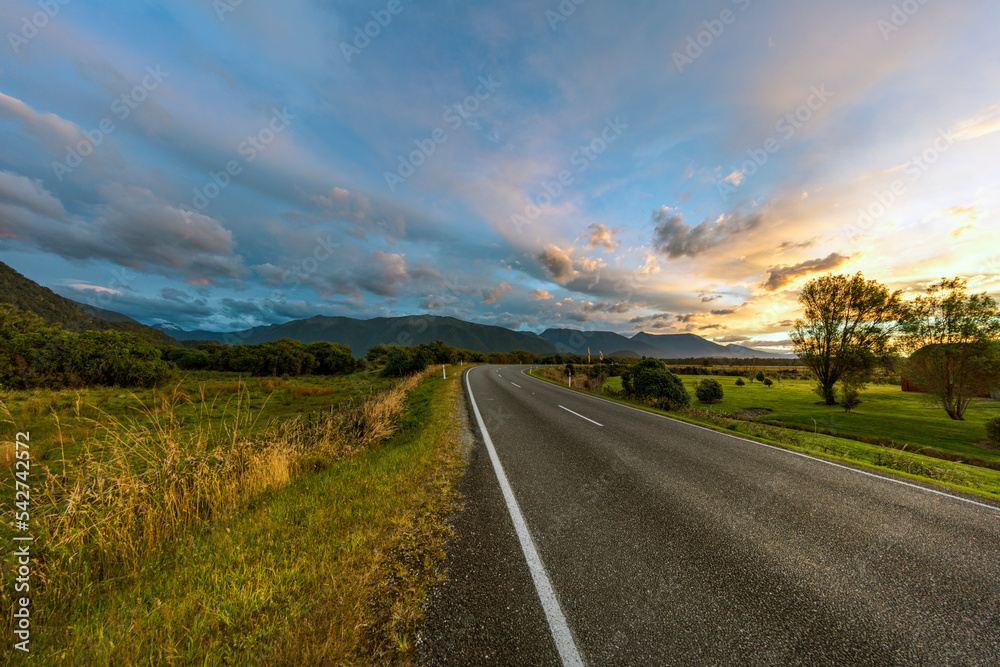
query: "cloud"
646, 319
735, 178
601, 237
134, 228
493, 294
671, 237
539, 295
779, 276
711, 298
789, 245
558, 263
54, 131
983, 123
29, 193
727, 311
731, 339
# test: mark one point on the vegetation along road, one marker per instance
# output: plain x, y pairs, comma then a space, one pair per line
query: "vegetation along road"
594, 533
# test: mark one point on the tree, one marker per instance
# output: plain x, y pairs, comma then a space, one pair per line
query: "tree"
740, 382
760, 376
768, 382
954, 343
650, 378
709, 391
846, 328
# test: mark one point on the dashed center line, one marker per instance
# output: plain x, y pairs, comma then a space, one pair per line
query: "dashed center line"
516, 385
580, 416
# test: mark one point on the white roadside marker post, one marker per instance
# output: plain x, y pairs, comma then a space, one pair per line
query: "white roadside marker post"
443, 374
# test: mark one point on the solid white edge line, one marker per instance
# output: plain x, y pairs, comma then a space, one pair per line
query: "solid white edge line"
580, 416
561, 634
779, 449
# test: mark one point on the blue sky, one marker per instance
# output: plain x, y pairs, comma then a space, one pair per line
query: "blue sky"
659, 166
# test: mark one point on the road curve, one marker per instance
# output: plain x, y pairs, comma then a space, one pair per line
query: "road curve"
664, 543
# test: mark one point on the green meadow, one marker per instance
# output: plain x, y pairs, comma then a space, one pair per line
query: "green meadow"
905, 418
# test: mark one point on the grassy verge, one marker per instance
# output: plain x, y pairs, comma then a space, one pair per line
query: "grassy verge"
956, 476
327, 567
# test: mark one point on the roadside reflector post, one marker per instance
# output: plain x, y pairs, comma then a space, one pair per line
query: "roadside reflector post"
443, 374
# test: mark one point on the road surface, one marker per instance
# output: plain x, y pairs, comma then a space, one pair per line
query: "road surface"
598, 534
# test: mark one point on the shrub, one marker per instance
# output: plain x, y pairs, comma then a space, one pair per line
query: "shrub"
760, 376
993, 429
709, 391
650, 379
849, 399
768, 382
740, 382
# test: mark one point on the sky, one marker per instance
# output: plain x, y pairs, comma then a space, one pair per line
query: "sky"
672, 167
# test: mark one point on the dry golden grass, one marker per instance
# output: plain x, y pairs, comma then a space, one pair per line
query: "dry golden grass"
142, 482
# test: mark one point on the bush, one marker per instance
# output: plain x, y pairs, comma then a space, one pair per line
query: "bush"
650, 379
709, 391
993, 429
768, 382
740, 382
849, 399
403, 362
760, 376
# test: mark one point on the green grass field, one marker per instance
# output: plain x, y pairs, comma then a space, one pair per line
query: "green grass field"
886, 412
61, 422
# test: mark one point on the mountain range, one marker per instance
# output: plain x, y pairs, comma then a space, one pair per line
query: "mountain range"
414, 329
361, 335
662, 346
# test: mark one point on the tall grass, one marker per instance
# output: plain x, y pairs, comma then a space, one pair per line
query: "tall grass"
144, 481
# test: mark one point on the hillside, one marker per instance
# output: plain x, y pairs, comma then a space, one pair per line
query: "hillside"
576, 342
690, 346
59, 311
361, 335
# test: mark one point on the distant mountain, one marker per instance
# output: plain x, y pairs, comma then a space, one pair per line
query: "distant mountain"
59, 311
572, 341
690, 346
364, 334
684, 346
743, 352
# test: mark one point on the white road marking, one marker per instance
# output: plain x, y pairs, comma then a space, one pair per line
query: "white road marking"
580, 416
546, 594
780, 449
516, 385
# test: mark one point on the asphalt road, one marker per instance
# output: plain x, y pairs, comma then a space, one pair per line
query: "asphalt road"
663, 543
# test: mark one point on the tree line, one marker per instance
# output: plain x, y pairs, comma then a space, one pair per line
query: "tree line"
34, 355
947, 341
